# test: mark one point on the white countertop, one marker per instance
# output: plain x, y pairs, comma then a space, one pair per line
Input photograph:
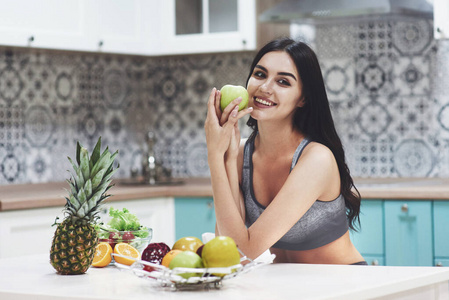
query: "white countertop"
32, 277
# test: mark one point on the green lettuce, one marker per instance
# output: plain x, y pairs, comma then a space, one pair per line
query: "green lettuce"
123, 220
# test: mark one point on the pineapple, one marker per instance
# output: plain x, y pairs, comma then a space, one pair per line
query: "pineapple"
75, 239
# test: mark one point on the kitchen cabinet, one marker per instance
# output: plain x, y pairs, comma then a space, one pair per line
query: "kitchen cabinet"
408, 233
55, 24
441, 262
25, 232
404, 233
369, 240
441, 232
125, 26
194, 216
198, 26
441, 19
142, 27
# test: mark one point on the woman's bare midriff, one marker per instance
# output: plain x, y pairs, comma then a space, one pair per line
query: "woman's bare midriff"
340, 251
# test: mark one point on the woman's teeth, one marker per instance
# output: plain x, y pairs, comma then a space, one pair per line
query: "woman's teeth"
264, 102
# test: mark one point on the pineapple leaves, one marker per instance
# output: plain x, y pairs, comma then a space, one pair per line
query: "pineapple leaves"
85, 170
78, 150
91, 179
96, 153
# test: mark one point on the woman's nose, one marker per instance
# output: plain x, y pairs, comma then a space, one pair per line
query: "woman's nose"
266, 88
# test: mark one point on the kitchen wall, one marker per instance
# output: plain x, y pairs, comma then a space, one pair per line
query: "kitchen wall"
51, 99
387, 83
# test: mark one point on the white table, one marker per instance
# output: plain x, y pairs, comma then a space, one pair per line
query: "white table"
32, 277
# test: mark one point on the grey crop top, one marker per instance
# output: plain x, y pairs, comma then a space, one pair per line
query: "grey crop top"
323, 223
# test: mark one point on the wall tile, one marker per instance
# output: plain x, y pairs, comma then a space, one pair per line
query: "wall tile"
386, 83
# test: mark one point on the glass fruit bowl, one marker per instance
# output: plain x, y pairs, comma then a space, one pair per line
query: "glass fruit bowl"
197, 278
139, 239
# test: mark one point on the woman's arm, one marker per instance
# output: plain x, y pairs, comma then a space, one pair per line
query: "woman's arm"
231, 154
232, 169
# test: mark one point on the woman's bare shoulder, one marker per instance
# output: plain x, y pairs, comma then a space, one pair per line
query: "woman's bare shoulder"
317, 151
317, 156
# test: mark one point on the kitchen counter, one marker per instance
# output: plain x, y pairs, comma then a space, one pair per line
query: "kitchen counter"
27, 196
32, 277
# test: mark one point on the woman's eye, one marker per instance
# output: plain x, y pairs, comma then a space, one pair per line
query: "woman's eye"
259, 74
284, 82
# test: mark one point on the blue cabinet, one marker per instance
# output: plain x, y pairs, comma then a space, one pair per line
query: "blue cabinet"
369, 240
441, 262
441, 229
194, 216
408, 233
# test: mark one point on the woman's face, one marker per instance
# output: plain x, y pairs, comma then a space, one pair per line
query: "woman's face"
274, 88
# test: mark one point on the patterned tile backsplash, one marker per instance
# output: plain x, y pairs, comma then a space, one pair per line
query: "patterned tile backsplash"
387, 82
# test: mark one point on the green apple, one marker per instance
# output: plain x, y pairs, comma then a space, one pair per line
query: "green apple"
230, 93
186, 259
220, 252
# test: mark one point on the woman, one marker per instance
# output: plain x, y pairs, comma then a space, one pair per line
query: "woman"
287, 188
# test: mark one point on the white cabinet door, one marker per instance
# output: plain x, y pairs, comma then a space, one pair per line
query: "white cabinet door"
47, 23
27, 232
441, 19
126, 26
198, 27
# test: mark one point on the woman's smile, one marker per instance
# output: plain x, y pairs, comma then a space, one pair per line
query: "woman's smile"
263, 103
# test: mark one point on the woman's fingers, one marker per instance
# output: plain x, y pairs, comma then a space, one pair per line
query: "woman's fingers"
217, 104
211, 113
227, 111
235, 115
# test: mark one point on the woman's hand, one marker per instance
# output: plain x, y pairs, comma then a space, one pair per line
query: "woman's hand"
222, 127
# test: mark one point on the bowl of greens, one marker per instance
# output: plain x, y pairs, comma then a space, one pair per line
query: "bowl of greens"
124, 227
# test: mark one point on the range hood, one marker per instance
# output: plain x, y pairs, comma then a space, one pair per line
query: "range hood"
334, 11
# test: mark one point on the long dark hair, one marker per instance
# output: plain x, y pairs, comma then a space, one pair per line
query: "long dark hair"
314, 119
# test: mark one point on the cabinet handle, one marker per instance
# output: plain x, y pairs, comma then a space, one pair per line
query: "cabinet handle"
100, 44
439, 264
30, 40
404, 207
375, 262
439, 30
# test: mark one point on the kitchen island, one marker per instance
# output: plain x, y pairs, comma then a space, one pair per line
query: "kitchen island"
32, 277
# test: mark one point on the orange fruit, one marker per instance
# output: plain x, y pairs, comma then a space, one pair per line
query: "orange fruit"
127, 250
102, 256
169, 256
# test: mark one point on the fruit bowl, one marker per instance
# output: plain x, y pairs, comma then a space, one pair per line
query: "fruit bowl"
204, 278
139, 239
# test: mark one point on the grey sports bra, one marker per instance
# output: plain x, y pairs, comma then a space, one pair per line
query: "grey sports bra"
323, 223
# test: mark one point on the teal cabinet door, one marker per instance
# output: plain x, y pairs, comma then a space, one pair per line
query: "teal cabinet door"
441, 262
369, 240
194, 216
441, 228
408, 233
